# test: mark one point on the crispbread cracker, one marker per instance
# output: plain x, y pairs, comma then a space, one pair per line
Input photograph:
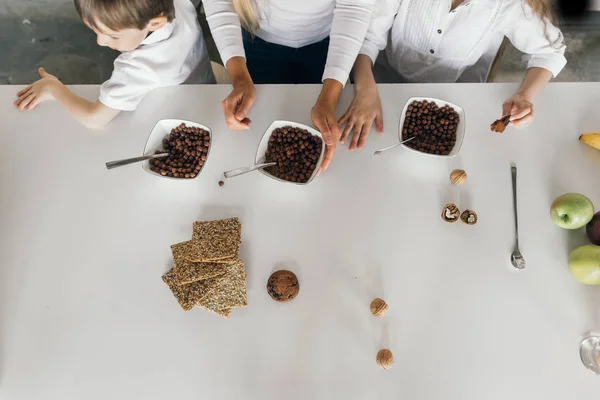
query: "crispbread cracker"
188, 271
189, 295
230, 292
215, 240
221, 313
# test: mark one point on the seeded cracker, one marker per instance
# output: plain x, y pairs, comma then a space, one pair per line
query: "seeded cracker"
188, 295
230, 292
188, 271
216, 240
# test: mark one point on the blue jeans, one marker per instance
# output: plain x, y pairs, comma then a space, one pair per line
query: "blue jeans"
273, 63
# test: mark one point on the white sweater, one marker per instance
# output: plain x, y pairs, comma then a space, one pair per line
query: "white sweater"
426, 42
297, 23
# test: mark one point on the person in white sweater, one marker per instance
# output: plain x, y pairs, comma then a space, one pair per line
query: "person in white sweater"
288, 41
451, 41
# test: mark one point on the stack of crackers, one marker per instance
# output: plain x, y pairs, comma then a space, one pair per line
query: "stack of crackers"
207, 271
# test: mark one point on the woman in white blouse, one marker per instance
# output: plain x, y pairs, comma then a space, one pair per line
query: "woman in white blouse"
288, 41
451, 41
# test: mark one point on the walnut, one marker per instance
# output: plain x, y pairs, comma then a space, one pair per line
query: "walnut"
469, 217
500, 124
379, 307
450, 213
458, 177
385, 359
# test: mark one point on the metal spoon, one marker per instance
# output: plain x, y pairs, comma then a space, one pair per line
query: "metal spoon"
381, 151
516, 258
127, 161
245, 170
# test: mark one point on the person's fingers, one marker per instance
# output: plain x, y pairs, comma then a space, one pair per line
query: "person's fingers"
334, 128
345, 118
244, 106
22, 92
229, 112
355, 137
379, 122
507, 108
364, 134
520, 111
43, 72
321, 124
327, 157
346, 131
26, 101
33, 104
523, 122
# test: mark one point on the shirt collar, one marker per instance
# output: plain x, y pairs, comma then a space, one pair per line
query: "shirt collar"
159, 35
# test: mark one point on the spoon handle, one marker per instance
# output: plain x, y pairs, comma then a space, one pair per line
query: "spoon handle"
127, 161
381, 151
513, 170
245, 170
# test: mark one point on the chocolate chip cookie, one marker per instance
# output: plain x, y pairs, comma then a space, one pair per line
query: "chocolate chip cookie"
283, 286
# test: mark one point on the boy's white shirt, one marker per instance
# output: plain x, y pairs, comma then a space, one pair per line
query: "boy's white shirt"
469, 40
172, 55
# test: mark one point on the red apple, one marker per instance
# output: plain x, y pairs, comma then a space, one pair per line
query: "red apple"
593, 229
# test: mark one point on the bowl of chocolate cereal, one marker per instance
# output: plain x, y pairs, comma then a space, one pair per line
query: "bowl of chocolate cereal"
187, 144
297, 149
438, 126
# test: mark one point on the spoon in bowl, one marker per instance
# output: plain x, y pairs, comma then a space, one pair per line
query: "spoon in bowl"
127, 161
245, 170
381, 151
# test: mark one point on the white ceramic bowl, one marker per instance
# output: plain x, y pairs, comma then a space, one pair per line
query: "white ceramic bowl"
159, 132
264, 143
460, 130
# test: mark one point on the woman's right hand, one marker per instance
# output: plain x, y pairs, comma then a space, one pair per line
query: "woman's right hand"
241, 98
363, 111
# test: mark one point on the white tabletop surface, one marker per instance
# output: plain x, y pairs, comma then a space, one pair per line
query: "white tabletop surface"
84, 313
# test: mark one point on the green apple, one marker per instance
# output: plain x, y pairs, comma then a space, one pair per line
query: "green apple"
572, 211
584, 264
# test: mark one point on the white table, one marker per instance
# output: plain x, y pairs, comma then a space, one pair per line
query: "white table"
84, 313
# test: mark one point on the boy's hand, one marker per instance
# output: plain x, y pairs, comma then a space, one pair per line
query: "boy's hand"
364, 109
520, 110
37, 92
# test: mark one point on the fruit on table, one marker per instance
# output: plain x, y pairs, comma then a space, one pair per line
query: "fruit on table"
572, 211
593, 229
591, 139
584, 264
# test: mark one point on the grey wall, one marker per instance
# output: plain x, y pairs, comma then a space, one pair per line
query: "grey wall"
37, 9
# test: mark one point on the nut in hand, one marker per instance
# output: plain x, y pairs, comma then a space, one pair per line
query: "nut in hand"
469, 217
385, 359
458, 177
450, 213
379, 307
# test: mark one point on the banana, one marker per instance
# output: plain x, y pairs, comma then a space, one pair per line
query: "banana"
591, 139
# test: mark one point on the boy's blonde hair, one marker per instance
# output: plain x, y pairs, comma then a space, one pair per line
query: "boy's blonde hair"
124, 14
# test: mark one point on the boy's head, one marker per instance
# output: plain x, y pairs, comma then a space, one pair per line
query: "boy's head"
123, 24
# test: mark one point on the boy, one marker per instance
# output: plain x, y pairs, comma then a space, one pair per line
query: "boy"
161, 44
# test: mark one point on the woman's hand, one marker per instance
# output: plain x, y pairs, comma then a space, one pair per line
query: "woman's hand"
241, 98
520, 109
323, 116
37, 92
364, 109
